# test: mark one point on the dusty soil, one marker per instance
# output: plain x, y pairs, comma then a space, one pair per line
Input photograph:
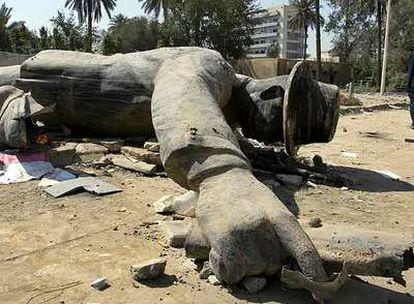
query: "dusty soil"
51, 249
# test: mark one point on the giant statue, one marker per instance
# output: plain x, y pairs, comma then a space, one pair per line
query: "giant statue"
193, 101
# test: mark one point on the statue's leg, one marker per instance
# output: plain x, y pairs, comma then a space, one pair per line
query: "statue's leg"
250, 231
186, 108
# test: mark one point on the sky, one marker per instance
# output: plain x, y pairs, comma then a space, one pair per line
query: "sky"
37, 13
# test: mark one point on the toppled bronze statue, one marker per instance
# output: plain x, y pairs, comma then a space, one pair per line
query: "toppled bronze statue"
193, 100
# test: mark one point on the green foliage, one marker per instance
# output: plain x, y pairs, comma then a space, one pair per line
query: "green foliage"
132, 34
358, 26
304, 18
110, 45
401, 36
225, 26
155, 6
44, 39
66, 33
89, 11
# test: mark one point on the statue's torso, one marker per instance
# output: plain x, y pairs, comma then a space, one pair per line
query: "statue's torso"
111, 94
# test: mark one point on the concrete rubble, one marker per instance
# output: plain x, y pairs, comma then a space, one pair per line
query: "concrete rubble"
184, 204
176, 232
213, 280
142, 155
148, 270
139, 166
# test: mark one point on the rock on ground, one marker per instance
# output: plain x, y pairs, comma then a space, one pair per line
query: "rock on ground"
315, 222
88, 152
149, 270
140, 166
64, 155
184, 205
176, 232
142, 155
213, 280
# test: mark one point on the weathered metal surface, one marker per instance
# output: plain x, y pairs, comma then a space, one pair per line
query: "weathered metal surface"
89, 184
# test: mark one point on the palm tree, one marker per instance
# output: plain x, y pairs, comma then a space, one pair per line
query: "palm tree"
318, 40
305, 17
155, 6
91, 10
5, 15
117, 21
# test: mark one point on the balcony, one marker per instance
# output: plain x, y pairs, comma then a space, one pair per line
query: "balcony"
265, 35
260, 45
262, 25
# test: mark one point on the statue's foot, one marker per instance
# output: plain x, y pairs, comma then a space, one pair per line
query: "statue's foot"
239, 217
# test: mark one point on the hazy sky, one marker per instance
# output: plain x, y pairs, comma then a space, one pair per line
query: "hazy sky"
38, 12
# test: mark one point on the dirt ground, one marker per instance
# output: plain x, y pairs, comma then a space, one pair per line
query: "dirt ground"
51, 249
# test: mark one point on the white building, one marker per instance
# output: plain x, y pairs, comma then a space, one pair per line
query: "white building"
272, 27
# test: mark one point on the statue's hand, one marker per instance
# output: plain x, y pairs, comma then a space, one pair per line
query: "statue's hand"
240, 218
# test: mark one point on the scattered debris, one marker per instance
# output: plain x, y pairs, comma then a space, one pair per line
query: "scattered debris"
389, 174
89, 184
149, 270
165, 204
64, 155
184, 204
139, 166
18, 168
142, 155
176, 232
349, 154
100, 284
374, 134
152, 146
88, 152
113, 145
55, 177
315, 222
254, 284
321, 291
213, 280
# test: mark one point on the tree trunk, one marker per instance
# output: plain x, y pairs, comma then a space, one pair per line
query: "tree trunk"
90, 33
379, 51
318, 40
305, 46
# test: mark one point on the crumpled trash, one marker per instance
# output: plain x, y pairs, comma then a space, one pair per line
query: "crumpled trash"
19, 168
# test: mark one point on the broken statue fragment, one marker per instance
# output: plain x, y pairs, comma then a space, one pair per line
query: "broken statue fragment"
193, 100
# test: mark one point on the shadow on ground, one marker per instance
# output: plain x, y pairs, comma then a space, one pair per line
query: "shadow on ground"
163, 281
370, 181
355, 292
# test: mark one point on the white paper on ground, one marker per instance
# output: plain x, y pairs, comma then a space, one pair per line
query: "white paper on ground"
23, 172
349, 154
